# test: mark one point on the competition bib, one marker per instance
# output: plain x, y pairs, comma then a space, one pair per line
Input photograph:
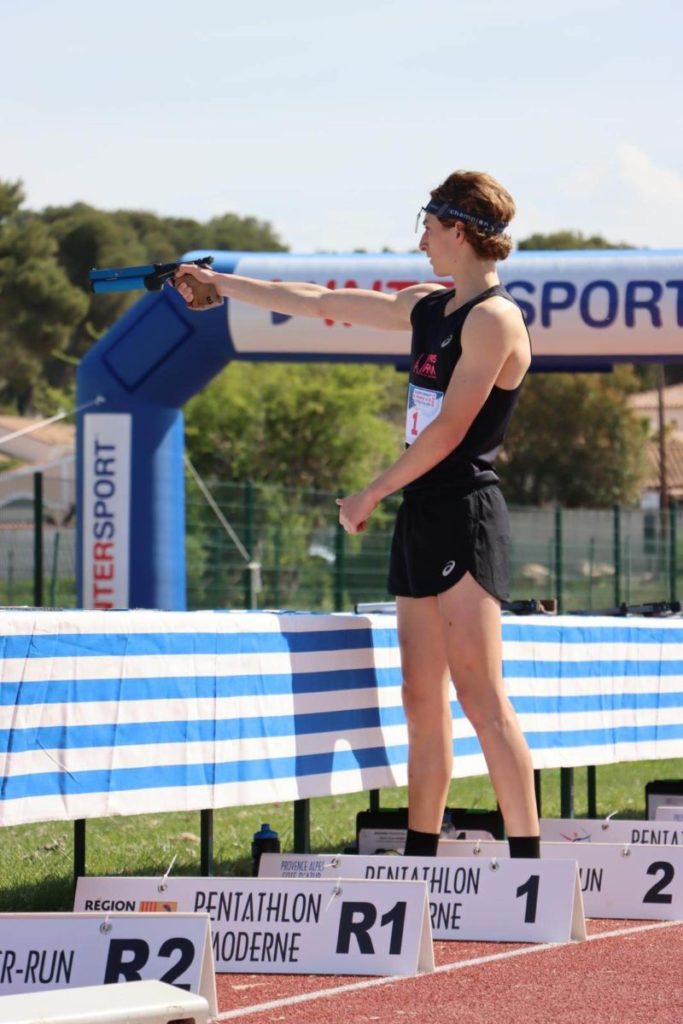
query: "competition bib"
423, 406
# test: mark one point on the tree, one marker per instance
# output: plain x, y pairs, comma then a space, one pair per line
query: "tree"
80, 237
87, 238
313, 426
569, 240
575, 440
39, 306
241, 234
301, 433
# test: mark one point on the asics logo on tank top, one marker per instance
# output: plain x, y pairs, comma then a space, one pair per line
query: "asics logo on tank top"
447, 341
425, 366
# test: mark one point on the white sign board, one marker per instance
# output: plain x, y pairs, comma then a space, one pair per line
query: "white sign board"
662, 799
665, 813
617, 880
271, 926
636, 882
393, 840
106, 509
136, 1002
610, 830
54, 951
496, 900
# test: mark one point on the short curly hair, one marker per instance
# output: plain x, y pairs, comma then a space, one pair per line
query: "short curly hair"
480, 194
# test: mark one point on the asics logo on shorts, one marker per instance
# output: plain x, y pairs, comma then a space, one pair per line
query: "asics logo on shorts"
448, 568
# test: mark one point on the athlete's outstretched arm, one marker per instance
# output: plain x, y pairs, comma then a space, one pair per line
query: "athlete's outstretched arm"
489, 338
299, 298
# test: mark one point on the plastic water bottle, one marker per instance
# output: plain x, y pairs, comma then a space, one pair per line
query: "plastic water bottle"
266, 840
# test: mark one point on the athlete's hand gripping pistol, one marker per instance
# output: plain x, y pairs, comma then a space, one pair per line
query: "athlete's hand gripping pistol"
153, 276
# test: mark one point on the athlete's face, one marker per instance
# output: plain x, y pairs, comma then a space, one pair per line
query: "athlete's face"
440, 244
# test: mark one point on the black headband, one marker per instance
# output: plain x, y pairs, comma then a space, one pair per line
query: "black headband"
447, 212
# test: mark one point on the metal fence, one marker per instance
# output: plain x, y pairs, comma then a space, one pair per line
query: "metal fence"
589, 560
37, 554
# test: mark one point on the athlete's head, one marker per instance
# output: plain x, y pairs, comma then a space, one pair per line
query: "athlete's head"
482, 207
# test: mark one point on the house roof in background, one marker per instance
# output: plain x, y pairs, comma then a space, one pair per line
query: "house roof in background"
673, 398
674, 464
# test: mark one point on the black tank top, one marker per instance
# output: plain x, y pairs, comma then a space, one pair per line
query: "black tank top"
435, 351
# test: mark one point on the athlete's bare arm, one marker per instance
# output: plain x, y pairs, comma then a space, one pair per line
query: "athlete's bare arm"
495, 350
299, 298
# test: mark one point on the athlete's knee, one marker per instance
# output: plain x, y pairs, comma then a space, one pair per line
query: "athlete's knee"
413, 696
482, 705
423, 700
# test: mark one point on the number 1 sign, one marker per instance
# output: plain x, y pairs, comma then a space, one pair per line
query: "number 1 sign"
470, 898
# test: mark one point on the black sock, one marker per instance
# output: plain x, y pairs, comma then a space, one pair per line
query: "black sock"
524, 846
421, 844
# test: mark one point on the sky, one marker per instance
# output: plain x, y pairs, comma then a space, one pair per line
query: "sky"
332, 121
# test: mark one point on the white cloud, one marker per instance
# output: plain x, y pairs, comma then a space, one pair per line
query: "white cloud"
584, 180
649, 181
620, 192
649, 198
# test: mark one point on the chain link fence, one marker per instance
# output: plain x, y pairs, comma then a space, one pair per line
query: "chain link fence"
589, 560
22, 550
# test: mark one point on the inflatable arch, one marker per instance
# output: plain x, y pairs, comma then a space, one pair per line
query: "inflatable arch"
586, 310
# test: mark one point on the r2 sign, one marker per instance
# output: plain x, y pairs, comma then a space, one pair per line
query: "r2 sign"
96, 949
128, 958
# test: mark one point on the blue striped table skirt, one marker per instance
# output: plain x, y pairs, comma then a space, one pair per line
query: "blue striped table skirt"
126, 712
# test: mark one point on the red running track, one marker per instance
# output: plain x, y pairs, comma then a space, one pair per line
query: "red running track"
628, 972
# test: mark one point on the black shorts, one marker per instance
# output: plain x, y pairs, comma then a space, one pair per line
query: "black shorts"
439, 537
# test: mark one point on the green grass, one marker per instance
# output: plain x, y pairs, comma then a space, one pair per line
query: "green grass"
36, 861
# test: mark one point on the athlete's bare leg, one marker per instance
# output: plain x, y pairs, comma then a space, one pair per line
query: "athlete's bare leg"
426, 700
458, 635
472, 633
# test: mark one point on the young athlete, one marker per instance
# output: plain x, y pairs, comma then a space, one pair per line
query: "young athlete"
449, 559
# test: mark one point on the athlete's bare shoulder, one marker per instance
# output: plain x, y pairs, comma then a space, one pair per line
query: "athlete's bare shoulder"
499, 308
496, 326
498, 316
418, 291
407, 298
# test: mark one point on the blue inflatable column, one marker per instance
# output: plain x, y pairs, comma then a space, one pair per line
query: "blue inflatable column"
130, 442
